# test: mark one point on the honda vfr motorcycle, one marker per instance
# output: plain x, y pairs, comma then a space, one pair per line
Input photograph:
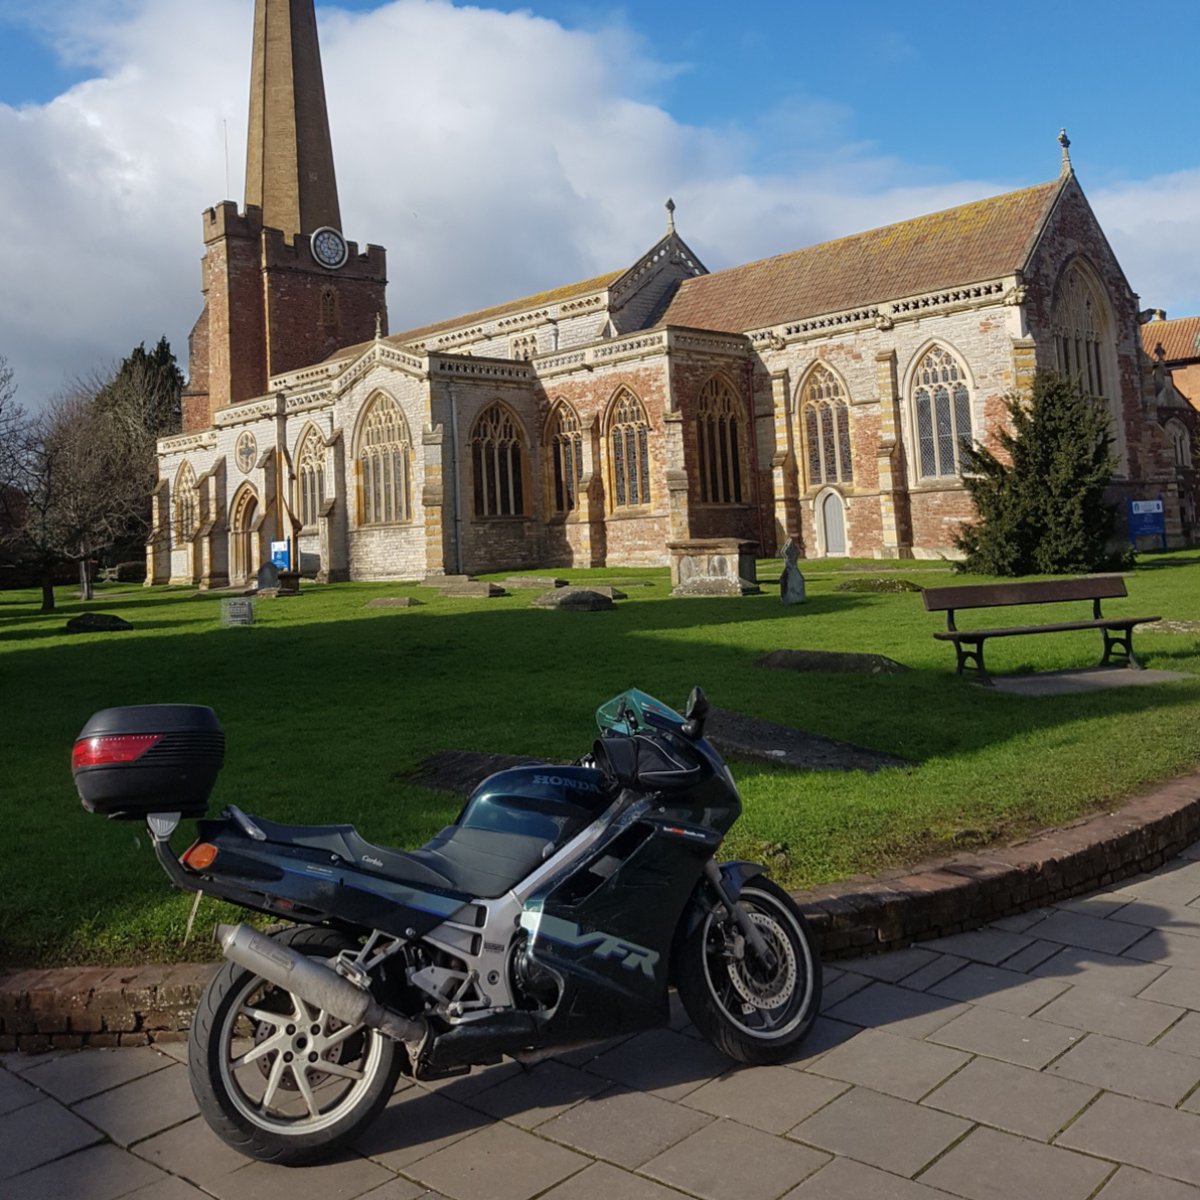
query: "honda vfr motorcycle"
557, 910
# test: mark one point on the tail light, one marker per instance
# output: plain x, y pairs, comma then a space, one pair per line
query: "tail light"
199, 856
111, 748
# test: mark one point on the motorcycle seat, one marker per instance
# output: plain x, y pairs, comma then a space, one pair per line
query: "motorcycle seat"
478, 863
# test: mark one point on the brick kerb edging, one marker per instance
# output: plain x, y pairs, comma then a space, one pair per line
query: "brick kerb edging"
110, 1006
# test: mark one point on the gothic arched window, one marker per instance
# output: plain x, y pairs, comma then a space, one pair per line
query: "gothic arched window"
1081, 332
629, 445
384, 454
310, 471
942, 410
564, 443
496, 460
826, 418
187, 504
1181, 443
719, 443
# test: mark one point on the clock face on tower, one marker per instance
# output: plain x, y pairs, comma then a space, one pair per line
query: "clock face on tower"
329, 247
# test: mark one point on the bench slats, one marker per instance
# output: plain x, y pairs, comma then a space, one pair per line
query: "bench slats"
1033, 591
956, 635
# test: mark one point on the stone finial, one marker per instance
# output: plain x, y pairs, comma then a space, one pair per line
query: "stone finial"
1065, 143
378, 325
670, 215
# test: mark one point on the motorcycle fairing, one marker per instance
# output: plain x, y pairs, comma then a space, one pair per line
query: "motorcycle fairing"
261, 874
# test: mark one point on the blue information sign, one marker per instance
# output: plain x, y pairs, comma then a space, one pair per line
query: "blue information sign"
1146, 519
280, 559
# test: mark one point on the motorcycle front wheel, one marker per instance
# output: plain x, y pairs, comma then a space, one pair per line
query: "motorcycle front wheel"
278, 1079
751, 1010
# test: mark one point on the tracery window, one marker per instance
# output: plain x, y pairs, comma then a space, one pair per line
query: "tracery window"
718, 443
384, 461
1181, 444
826, 418
310, 469
1080, 324
187, 504
565, 444
496, 461
629, 445
942, 408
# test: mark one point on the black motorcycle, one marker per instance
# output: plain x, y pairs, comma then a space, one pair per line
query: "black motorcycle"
556, 910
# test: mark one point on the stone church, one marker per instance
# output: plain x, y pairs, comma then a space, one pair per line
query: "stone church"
823, 395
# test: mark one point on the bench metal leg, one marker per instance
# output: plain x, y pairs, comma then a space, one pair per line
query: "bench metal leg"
968, 651
1119, 643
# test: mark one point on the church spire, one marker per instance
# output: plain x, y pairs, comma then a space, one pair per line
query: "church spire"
289, 156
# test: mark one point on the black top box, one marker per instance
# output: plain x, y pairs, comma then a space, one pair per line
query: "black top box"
148, 758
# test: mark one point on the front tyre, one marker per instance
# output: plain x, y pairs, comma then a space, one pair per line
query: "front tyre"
751, 1010
276, 1078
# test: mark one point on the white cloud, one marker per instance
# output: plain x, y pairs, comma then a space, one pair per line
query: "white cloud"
493, 154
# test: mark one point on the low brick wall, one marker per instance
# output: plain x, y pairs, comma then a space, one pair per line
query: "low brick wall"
122, 1006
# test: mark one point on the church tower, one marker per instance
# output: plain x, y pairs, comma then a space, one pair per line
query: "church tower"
282, 287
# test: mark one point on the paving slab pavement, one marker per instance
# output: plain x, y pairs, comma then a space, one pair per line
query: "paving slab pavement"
1054, 1054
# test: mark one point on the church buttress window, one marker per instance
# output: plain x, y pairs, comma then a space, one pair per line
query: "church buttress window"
187, 504
1181, 444
310, 469
565, 444
718, 444
384, 459
826, 424
496, 464
942, 408
629, 442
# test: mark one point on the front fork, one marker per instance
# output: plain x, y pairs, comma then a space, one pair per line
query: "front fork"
726, 880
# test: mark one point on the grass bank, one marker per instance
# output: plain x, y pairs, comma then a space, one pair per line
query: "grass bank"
328, 703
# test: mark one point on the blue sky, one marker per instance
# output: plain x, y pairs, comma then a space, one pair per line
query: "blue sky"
535, 144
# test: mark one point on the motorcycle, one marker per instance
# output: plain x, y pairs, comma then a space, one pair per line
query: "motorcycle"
557, 910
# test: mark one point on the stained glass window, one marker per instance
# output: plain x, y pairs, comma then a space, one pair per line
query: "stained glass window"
942, 406
718, 443
629, 437
496, 463
826, 428
384, 455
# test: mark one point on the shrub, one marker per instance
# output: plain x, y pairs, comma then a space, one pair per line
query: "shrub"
1042, 511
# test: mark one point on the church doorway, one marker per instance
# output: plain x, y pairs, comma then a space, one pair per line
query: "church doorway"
832, 519
243, 561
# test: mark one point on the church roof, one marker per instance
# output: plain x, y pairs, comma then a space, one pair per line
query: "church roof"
483, 315
957, 246
1179, 337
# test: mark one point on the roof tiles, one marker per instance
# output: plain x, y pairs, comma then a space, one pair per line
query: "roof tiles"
1179, 337
958, 246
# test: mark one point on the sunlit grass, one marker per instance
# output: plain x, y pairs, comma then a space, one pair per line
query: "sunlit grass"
328, 704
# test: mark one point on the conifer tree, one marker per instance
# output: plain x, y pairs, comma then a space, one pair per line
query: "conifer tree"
1042, 511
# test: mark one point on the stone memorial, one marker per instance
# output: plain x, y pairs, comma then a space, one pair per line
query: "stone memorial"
713, 567
791, 582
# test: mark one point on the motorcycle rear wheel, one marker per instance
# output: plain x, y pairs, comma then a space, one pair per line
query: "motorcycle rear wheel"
276, 1078
752, 1011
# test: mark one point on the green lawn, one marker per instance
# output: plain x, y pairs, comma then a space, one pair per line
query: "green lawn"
327, 704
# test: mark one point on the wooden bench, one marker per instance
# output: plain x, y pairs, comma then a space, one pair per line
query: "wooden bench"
968, 643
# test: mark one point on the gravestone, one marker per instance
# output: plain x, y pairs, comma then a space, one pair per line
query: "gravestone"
791, 582
392, 602
96, 623
267, 578
580, 599
237, 610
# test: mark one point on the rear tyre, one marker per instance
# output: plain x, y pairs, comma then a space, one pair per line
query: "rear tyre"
276, 1078
751, 1010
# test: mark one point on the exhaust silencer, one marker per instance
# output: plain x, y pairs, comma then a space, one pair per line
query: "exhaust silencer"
319, 985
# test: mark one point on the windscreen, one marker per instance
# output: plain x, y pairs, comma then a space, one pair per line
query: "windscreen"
633, 710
